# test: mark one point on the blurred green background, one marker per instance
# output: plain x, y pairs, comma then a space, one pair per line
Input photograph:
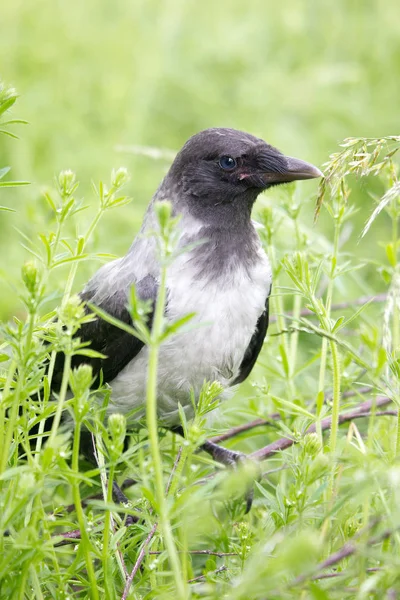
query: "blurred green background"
96, 75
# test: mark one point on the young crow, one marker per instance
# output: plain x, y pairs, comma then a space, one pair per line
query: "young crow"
225, 278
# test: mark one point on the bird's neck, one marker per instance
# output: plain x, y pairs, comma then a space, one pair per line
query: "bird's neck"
233, 215
221, 235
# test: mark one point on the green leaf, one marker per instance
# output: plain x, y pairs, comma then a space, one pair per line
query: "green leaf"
358, 312
50, 201
46, 244
4, 357
119, 202
80, 246
337, 324
69, 259
68, 246
382, 358
5, 208
32, 252
114, 321
390, 253
13, 183
176, 325
15, 122
11, 135
292, 408
117, 537
90, 353
285, 362
7, 104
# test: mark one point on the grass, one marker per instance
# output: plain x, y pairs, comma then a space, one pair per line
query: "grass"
320, 411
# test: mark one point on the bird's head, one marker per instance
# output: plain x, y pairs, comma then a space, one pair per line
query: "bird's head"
226, 167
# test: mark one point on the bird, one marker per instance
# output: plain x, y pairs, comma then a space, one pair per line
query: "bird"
224, 278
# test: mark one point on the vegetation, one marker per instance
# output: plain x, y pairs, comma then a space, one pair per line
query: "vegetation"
320, 413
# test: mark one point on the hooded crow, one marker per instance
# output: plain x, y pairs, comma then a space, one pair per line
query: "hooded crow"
224, 278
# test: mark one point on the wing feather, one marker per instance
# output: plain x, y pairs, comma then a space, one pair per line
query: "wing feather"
254, 347
118, 346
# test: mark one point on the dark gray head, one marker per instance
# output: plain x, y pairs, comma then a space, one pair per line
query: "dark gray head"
222, 171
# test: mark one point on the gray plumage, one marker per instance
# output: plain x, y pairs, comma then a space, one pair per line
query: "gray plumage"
225, 280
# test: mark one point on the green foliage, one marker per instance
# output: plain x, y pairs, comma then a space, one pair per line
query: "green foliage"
322, 495
138, 78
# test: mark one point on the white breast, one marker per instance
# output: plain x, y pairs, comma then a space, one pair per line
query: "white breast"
227, 309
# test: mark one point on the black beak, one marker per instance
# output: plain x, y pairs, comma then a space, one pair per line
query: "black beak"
294, 170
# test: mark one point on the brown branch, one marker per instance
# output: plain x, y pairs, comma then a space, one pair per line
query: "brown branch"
69, 537
276, 416
339, 306
344, 573
138, 562
245, 427
362, 410
348, 549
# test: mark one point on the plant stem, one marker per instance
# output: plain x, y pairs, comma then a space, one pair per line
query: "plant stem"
74, 267
106, 534
396, 332
3, 436
279, 310
85, 542
61, 399
336, 396
21, 375
295, 335
151, 416
324, 345
397, 440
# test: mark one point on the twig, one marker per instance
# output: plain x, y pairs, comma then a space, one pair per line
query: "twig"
245, 427
202, 577
69, 536
138, 562
347, 550
276, 416
384, 413
177, 459
362, 410
339, 306
343, 573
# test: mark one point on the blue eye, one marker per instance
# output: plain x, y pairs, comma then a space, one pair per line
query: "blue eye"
227, 163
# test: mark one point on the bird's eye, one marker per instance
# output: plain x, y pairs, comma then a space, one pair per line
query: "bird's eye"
227, 163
